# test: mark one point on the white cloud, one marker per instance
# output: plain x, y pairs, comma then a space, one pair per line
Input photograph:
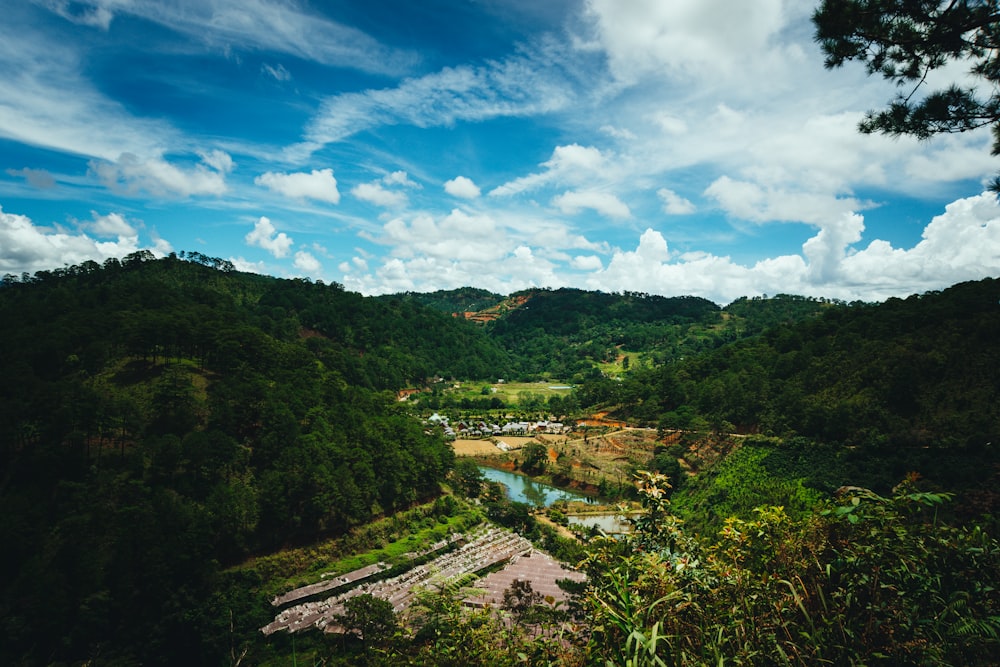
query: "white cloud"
400, 178
603, 202
220, 161
265, 236
685, 38
308, 264
674, 204
47, 100
112, 224
569, 164
963, 243
545, 78
753, 202
463, 187
319, 185
458, 235
516, 270
133, 175
587, 263
374, 193
27, 247
825, 252
258, 25
618, 132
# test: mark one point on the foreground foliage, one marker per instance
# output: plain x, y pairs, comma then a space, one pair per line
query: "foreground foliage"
871, 580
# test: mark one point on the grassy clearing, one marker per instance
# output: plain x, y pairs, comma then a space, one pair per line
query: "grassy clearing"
510, 392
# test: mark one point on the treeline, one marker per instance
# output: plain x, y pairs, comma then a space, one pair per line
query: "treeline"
161, 419
460, 300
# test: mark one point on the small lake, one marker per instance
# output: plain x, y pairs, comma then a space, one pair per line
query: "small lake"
522, 489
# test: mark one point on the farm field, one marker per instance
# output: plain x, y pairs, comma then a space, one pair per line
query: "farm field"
483, 447
474, 448
510, 392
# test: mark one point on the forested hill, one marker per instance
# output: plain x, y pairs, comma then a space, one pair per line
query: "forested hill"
159, 418
917, 375
570, 333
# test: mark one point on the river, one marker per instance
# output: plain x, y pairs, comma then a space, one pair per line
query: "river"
523, 489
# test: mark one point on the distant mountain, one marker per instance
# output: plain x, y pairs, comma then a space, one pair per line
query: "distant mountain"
464, 301
570, 333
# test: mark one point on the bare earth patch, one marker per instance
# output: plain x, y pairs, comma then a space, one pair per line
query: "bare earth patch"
475, 448
487, 448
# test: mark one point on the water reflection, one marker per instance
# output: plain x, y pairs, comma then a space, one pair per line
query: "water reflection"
522, 489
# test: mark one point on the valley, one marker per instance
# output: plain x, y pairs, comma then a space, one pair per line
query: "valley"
192, 454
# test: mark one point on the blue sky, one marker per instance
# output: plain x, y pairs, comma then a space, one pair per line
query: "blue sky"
683, 147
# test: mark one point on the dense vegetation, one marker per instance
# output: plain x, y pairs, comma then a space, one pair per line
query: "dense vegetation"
164, 421
569, 333
458, 301
162, 418
910, 383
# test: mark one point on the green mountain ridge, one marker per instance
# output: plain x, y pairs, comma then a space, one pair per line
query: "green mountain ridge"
162, 419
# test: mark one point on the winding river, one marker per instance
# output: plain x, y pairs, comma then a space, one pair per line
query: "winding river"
523, 489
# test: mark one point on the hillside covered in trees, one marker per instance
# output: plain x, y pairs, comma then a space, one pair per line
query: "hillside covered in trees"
160, 419
164, 420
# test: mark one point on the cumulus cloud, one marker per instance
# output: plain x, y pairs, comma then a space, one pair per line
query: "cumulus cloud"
604, 203
463, 187
673, 203
751, 201
375, 193
826, 251
265, 236
458, 235
27, 247
963, 243
133, 175
400, 178
514, 270
689, 38
587, 263
308, 264
112, 224
319, 185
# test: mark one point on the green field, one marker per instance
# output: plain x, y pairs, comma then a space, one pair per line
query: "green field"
511, 392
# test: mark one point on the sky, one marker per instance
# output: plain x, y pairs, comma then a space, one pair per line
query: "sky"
690, 147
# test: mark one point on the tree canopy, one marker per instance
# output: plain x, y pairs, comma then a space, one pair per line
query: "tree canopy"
904, 41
